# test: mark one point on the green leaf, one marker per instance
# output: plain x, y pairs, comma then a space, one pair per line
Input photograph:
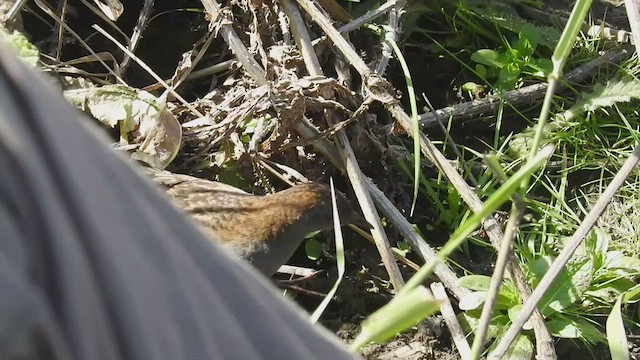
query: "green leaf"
607, 291
543, 67
481, 70
540, 267
141, 117
504, 302
513, 315
615, 91
508, 78
453, 197
563, 329
475, 282
569, 328
621, 264
470, 86
513, 56
313, 249
597, 244
414, 116
489, 57
632, 296
521, 349
403, 247
472, 301
506, 17
469, 321
616, 334
528, 40
24, 49
396, 316
570, 285
475, 299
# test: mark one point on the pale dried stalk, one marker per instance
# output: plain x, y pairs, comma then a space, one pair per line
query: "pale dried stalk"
143, 18
232, 39
504, 253
391, 34
451, 320
369, 211
302, 38
351, 163
343, 46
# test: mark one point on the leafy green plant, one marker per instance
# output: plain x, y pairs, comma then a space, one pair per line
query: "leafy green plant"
512, 64
588, 136
24, 49
597, 277
592, 134
442, 196
412, 303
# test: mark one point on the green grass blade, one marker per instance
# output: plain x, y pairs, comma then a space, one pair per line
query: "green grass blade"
340, 263
496, 200
559, 57
396, 316
414, 120
615, 333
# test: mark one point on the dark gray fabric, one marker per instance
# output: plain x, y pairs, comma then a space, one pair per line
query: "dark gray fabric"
96, 264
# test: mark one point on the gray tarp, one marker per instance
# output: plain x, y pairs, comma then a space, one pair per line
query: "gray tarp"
96, 264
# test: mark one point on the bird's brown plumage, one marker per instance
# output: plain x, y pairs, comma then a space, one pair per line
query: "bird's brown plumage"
265, 230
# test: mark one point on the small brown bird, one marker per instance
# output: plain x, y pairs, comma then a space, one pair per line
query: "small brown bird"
264, 230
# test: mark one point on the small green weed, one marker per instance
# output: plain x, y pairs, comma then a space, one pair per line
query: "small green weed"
513, 64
